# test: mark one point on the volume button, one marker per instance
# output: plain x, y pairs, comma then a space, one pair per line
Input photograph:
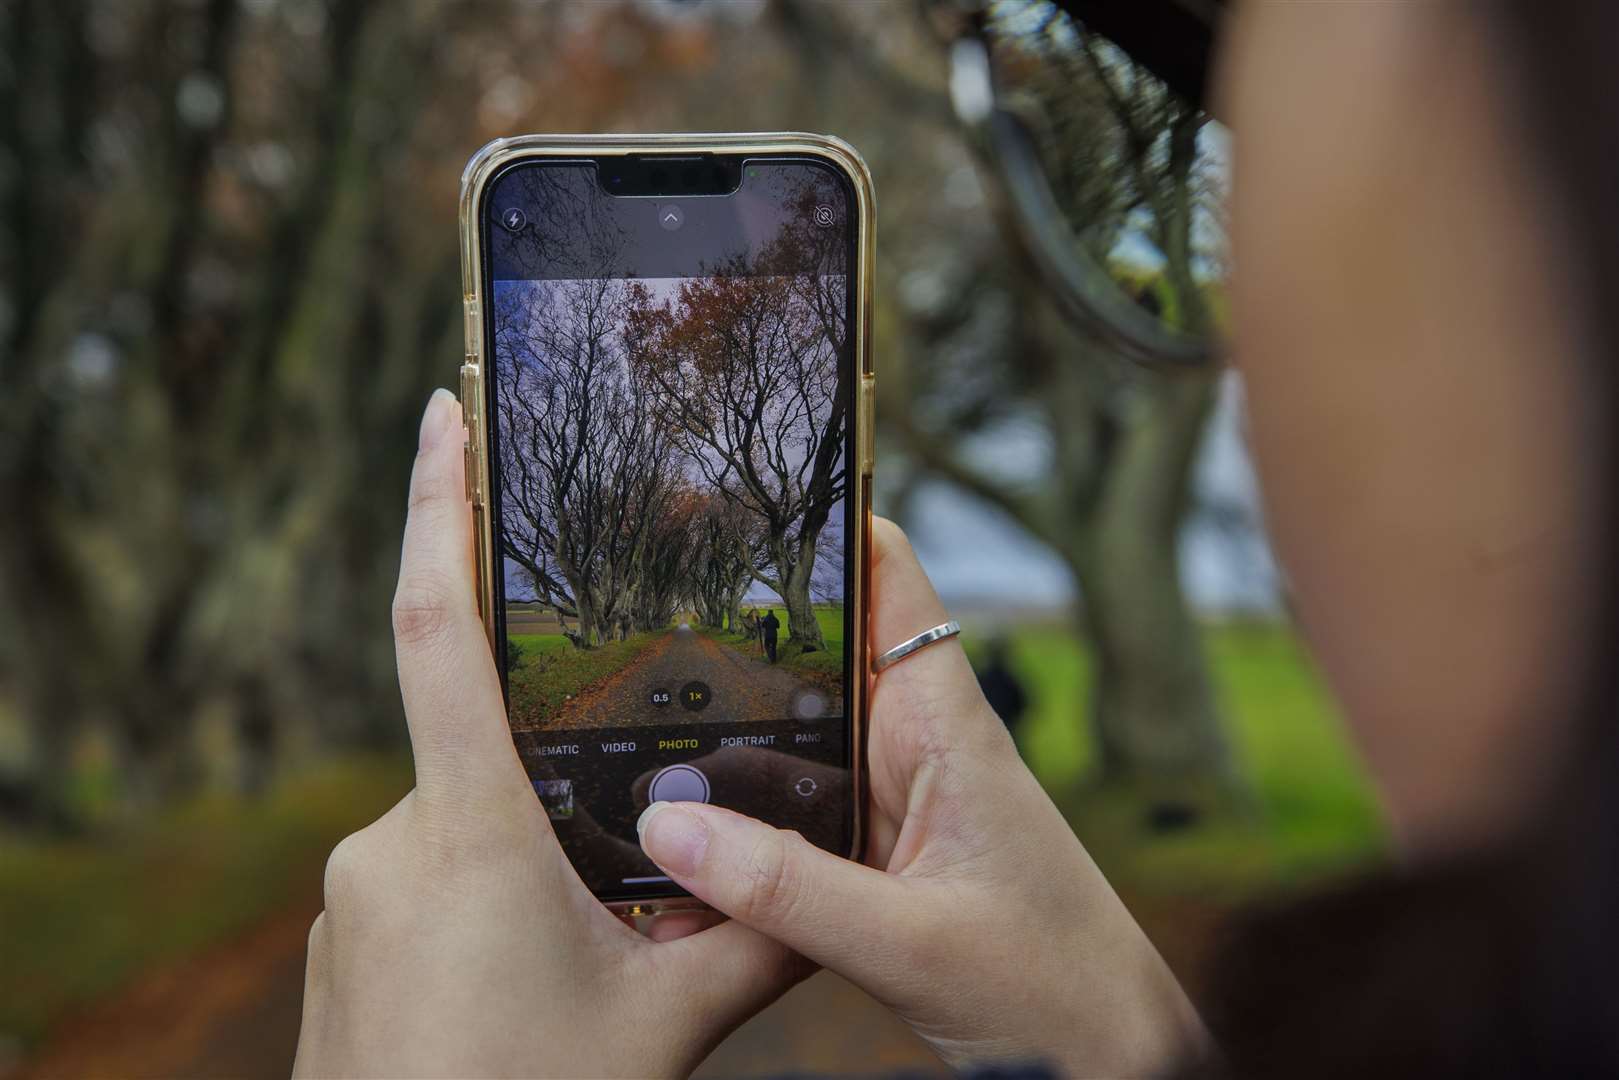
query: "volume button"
471, 415
868, 424
467, 465
474, 330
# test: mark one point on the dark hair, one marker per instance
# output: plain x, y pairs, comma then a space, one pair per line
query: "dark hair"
1503, 962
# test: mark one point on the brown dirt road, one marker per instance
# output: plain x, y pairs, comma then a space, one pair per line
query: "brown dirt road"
741, 687
233, 1011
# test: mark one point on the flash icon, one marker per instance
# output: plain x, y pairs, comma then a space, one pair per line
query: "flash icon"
514, 218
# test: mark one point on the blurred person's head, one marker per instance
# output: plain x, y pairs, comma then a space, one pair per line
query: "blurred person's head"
1428, 389
1422, 226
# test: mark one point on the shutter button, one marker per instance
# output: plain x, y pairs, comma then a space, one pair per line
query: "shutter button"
678, 783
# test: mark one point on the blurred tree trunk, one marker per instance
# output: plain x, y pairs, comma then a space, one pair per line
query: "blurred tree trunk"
39, 41
1124, 441
1152, 710
190, 428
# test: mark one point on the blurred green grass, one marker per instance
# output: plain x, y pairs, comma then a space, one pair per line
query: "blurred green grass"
82, 917
1314, 812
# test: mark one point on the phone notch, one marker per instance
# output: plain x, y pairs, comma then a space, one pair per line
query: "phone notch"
643, 175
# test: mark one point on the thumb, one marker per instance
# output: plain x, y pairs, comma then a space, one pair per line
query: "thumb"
837, 913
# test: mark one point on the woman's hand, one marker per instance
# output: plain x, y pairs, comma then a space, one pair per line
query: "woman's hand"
986, 926
457, 939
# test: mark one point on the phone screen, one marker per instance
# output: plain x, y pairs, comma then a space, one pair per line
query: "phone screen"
671, 400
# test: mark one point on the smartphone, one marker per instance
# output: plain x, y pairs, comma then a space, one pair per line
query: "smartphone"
668, 396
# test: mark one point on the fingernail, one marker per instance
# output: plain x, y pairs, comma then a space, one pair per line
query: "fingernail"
437, 419
676, 840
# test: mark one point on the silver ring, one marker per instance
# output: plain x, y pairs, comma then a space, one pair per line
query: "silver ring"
920, 641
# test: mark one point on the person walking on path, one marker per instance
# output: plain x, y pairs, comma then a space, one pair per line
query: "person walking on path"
769, 625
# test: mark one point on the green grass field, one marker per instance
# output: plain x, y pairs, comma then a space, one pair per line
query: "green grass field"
1315, 812
82, 917
550, 670
827, 663
535, 645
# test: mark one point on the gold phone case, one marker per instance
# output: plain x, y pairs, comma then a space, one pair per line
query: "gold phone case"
475, 407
